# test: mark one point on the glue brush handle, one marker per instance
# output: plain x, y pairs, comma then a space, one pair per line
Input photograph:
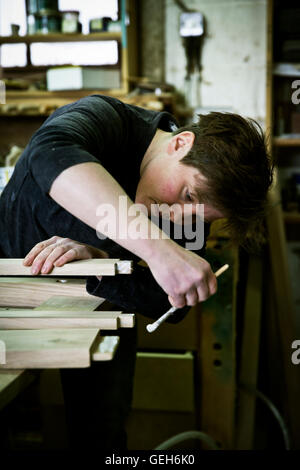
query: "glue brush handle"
153, 326
221, 270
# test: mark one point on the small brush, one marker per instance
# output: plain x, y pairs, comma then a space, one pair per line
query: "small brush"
153, 326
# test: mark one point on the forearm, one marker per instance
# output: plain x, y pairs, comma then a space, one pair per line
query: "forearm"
83, 188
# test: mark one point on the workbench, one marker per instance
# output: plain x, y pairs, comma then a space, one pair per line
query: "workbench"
51, 322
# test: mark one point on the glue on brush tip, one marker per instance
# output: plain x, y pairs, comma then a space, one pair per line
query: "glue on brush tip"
151, 328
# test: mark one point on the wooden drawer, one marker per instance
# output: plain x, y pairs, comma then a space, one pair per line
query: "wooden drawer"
164, 382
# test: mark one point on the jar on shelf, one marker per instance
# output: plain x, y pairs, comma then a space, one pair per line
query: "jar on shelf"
70, 22
38, 6
47, 23
98, 25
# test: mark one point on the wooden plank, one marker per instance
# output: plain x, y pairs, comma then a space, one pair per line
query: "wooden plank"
280, 272
217, 353
286, 142
71, 304
31, 292
126, 320
12, 383
89, 267
37, 319
54, 349
292, 217
249, 355
105, 349
30, 320
60, 37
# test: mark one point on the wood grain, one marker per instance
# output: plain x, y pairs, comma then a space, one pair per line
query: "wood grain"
284, 305
71, 304
249, 360
31, 320
40, 319
53, 348
216, 359
89, 267
32, 291
105, 348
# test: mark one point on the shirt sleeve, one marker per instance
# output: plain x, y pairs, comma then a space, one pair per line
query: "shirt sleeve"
84, 133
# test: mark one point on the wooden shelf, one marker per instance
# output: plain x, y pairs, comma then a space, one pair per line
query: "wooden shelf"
43, 103
286, 70
286, 142
60, 37
292, 217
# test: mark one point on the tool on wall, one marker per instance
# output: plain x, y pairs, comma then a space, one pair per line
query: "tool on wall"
191, 30
153, 326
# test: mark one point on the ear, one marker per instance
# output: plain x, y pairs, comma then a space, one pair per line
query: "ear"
180, 144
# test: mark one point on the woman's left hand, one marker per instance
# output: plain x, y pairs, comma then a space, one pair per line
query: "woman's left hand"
57, 251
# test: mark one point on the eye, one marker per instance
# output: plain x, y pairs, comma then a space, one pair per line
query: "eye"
188, 196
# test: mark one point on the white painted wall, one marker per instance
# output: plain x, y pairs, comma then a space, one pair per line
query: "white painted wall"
233, 57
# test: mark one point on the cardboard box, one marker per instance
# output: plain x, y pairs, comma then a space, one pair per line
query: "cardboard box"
82, 78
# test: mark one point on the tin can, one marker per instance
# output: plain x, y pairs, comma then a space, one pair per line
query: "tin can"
47, 23
98, 25
37, 6
70, 23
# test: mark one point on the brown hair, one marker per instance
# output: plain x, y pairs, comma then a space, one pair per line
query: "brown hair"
230, 151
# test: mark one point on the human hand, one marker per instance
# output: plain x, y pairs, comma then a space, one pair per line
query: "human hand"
57, 251
184, 276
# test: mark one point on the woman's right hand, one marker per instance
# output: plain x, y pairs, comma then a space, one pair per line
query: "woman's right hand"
184, 276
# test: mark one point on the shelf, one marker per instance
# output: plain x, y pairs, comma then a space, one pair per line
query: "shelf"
286, 70
12, 95
286, 142
60, 37
292, 217
43, 103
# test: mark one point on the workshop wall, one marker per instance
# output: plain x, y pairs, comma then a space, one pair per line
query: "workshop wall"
233, 56
152, 37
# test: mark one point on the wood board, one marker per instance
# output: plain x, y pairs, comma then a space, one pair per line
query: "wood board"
89, 267
105, 349
71, 304
40, 319
249, 357
53, 348
32, 291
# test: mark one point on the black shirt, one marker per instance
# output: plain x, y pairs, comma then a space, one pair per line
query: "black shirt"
97, 129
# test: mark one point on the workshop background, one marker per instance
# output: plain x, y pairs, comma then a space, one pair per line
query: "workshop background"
231, 368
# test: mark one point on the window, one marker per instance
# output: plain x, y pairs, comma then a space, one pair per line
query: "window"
73, 53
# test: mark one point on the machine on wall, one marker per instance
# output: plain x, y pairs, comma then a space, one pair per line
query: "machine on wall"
191, 30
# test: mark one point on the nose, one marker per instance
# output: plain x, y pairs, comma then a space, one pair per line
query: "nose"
183, 214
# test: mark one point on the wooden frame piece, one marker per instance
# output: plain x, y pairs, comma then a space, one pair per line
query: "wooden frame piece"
33, 291
89, 267
249, 362
53, 348
38, 319
105, 349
